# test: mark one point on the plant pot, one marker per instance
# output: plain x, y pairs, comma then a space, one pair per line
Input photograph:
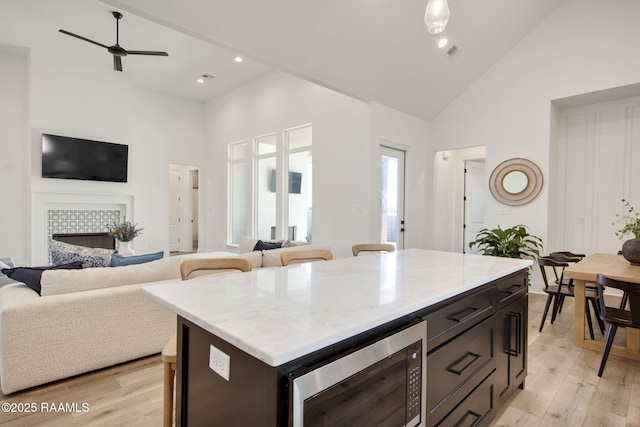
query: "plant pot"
125, 248
631, 251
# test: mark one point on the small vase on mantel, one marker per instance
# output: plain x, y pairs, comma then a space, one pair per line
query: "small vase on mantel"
631, 251
125, 248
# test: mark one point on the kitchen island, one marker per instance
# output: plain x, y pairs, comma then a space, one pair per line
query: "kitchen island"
270, 322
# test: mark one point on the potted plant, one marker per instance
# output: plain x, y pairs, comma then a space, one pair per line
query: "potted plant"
124, 232
630, 222
513, 242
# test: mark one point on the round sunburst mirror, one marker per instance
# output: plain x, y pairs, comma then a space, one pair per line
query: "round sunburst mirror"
516, 182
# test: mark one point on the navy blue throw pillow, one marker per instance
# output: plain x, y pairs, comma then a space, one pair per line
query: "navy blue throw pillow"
31, 276
118, 260
265, 246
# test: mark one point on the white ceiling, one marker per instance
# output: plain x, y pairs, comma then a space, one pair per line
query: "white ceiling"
34, 24
374, 50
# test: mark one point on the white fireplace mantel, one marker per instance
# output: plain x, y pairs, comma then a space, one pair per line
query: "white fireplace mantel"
44, 202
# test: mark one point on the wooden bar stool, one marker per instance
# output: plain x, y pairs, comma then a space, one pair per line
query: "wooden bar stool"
372, 247
170, 350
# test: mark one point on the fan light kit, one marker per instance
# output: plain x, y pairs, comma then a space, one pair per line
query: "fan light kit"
116, 50
205, 77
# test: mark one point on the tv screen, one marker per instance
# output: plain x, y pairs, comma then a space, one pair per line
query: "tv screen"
295, 182
74, 158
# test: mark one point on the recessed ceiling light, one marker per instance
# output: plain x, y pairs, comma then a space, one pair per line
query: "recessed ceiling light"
238, 59
200, 80
443, 42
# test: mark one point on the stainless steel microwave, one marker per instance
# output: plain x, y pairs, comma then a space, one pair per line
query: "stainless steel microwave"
381, 384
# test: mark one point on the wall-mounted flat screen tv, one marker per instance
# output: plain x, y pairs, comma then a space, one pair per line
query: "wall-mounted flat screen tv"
74, 158
295, 182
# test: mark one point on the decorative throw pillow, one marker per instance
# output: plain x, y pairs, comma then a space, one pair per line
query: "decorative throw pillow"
118, 260
246, 244
62, 253
294, 243
265, 246
6, 262
31, 276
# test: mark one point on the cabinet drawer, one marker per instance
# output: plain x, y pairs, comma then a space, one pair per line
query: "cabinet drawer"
511, 288
476, 409
454, 370
454, 319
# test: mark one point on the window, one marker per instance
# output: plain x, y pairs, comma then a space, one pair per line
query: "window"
270, 186
299, 185
239, 191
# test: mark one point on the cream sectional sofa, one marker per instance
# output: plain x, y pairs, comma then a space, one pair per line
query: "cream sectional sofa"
271, 257
85, 320
93, 318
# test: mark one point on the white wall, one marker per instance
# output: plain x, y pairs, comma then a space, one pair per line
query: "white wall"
509, 108
14, 156
341, 153
102, 105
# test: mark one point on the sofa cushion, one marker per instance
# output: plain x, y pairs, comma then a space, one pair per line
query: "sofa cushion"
62, 253
246, 244
272, 258
63, 282
118, 260
254, 257
31, 276
266, 246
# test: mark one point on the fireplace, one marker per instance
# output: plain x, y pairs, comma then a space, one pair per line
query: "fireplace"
79, 219
89, 240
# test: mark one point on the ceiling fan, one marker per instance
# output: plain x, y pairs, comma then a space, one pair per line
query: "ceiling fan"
116, 50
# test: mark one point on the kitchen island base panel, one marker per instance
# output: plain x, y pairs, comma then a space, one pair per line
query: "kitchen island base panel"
249, 398
487, 356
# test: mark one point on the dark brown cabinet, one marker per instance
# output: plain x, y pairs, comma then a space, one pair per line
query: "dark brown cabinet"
477, 352
511, 348
476, 359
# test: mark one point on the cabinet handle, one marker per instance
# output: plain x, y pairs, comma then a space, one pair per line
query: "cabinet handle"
512, 289
466, 361
465, 421
463, 315
518, 318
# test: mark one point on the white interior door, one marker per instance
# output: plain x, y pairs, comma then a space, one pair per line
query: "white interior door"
392, 196
474, 191
175, 209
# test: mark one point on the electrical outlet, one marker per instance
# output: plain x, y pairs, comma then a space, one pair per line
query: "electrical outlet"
219, 362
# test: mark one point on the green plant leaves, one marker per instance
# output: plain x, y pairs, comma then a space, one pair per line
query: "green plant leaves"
514, 242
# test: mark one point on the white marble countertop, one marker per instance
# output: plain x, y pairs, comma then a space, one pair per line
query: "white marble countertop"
282, 313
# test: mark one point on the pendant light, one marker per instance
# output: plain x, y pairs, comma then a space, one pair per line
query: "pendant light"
436, 16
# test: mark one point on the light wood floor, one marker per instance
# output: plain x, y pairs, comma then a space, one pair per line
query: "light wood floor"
562, 388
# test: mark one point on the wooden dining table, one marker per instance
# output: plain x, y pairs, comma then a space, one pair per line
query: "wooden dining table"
586, 271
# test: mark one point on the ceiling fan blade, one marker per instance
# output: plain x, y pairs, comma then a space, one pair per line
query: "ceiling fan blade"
117, 63
83, 38
146, 52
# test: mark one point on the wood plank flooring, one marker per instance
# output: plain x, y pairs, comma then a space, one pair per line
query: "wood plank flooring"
562, 388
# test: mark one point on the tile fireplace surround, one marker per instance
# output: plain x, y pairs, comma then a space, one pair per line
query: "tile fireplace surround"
54, 213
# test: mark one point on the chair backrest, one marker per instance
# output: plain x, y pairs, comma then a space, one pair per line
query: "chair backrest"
632, 290
547, 261
568, 254
304, 256
372, 247
188, 266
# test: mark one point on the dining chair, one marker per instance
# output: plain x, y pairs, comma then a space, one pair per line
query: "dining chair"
617, 317
170, 350
299, 256
571, 258
558, 290
372, 247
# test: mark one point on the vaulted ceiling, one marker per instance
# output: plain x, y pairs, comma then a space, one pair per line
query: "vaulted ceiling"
373, 50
